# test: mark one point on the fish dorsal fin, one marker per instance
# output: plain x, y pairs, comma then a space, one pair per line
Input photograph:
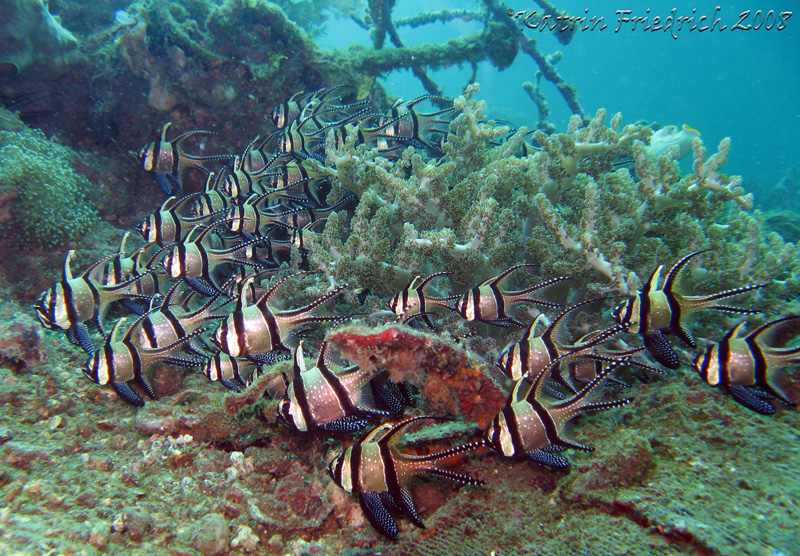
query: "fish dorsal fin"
210, 183
766, 326
299, 360
157, 254
531, 332
242, 302
188, 238
169, 298
68, 265
133, 327
413, 284
122, 243
600, 376
164, 132
538, 384
376, 434
395, 434
586, 337
499, 278
431, 277
223, 173
555, 326
204, 231
309, 227
167, 204
520, 391
673, 273
652, 282
115, 332
733, 333
271, 291
182, 201
324, 356
226, 286
96, 264
247, 150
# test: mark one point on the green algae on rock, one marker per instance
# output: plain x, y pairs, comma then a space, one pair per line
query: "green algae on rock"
46, 202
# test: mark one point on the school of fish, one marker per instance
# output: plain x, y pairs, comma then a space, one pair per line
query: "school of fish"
204, 295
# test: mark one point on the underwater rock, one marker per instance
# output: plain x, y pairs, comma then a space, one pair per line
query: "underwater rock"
209, 535
36, 171
33, 41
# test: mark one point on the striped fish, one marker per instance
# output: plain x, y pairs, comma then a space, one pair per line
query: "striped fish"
167, 160
489, 304
197, 263
378, 472
325, 397
584, 371
291, 217
747, 367
291, 173
237, 181
405, 125
120, 362
170, 322
288, 111
305, 138
253, 331
317, 104
257, 160
166, 226
233, 373
654, 312
74, 301
253, 216
533, 427
123, 267
381, 136
534, 354
212, 200
412, 303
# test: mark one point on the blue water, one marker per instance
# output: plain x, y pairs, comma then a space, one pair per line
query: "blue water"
741, 84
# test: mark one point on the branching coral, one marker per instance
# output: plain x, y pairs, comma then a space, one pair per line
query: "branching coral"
481, 208
708, 176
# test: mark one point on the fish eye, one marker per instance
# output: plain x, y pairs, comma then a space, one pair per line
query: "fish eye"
87, 370
698, 362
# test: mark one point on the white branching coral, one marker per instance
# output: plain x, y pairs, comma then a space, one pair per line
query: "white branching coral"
708, 176
568, 207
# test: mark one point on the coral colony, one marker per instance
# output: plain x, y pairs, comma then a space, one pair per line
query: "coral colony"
363, 238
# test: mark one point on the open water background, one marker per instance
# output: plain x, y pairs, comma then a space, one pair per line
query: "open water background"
736, 83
